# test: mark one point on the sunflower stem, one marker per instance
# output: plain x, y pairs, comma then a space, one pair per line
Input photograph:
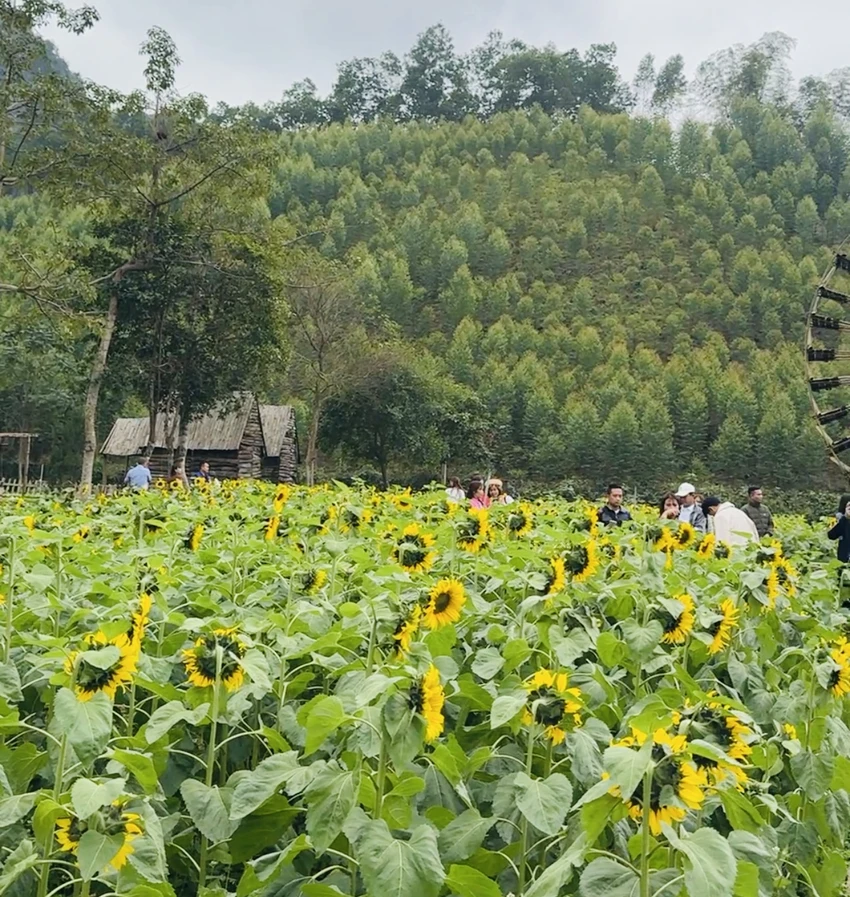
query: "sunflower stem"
382, 776
370, 653
208, 780
131, 709
7, 647
646, 834
85, 890
529, 759
56, 632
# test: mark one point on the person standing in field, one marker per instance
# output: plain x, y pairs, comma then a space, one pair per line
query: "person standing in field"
496, 493
758, 511
729, 524
455, 491
612, 513
139, 476
204, 471
689, 509
477, 496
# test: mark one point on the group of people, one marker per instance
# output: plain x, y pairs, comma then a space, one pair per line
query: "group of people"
139, 476
730, 524
480, 493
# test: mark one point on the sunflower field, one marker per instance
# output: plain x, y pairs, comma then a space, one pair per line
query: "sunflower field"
257, 690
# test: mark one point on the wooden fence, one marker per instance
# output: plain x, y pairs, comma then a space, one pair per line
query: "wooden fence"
14, 487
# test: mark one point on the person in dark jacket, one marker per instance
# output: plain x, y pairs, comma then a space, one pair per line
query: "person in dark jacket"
758, 511
841, 530
612, 513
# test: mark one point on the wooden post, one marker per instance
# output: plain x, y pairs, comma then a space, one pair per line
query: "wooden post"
27, 446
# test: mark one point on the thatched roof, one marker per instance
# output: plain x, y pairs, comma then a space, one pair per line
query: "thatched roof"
220, 430
276, 421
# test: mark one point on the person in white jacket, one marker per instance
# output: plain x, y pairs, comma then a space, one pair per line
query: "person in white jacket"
728, 523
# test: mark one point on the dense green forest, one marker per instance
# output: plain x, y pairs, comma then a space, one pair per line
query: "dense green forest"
514, 259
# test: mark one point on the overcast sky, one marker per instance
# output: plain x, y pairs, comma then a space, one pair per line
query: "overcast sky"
254, 49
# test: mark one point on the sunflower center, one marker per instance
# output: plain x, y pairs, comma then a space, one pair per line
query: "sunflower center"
669, 622
92, 679
577, 560
442, 601
417, 697
548, 707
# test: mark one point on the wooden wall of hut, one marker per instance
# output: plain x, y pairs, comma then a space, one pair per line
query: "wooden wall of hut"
252, 447
288, 459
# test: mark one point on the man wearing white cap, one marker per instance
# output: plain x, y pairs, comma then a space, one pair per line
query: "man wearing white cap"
690, 511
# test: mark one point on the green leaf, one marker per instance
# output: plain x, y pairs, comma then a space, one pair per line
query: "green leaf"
87, 797
595, 815
16, 807
148, 856
558, 874
740, 811
642, 640
87, 724
747, 880
626, 767
330, 797
468, 882
266, 780
262, 871
315, 889
611, 650
463, 836
813, 773
326, 715
710, 865
102, 658
506, 707
23, 858
140, 766
10, 683
262, 830
395, 868
544, 802
606, 878
585, 755
209, 809
488, 662
95, 852
164, 718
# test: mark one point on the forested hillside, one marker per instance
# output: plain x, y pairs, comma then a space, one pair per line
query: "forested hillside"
534, 267
623, 297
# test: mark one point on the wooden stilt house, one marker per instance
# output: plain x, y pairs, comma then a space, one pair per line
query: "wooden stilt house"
243, 440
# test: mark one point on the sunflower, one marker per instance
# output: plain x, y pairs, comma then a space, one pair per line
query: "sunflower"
402, 501
355, 518
200, 660
412, 550
474, 532
116, 821
132, 638
89, 679
557, 577
193, 539
706, 546
781, 578
406, 629
552, 704
684, 536
444, 605
81, 534
281, 494
313, 580
839, 680
582, 561
721, 629
272, 527
677, 786
590, 521
427, 697
790, 730
662, 538
677, 625
520, 521
717, 725
29, 522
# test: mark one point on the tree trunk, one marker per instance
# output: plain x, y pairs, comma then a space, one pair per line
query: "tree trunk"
93, 393
313, 443
182, 440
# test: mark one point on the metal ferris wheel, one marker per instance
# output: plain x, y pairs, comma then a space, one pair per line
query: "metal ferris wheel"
828, 348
